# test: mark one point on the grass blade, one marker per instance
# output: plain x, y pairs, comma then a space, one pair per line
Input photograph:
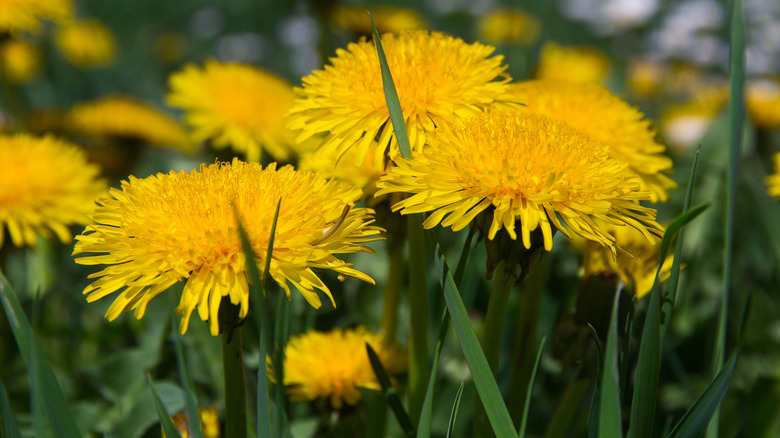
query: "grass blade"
530, 391
190, 401
610, 423
165, 418
595, 406
390, 393
8, 427
487, 388
54, 402
454, 412
280, 342
391, 96
736, 120
694, 422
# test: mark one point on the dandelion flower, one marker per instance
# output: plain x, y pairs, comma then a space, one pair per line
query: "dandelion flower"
439, 79
773, 180
619, 125
362, 175
636, 264
575, 64
683, 125
335, 364
20, 61
178, 226
387, 19
125, 117
235, 105
46, 185
507, 25
525, 170
762, 99
24, 15
209, 423
86, 44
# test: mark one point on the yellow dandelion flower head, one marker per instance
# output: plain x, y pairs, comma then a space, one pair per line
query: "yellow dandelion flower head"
25, 15
645, 76
86, 44
46, 185
507, 25
387, 19
235, 105
635, 264
683, 125
439, 79
773, 180
20, 61
576, 64
125, 117
762, 98
209, 423
165, 228
344, 169
619, 125
525, 168
335, 364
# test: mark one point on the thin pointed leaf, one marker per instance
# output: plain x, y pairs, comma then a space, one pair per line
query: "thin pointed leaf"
487, 388
391, 96
190, 401
625, 352
694, 422
595, 405
165, 418
280, 342
390, 392
8, 426
454, 412
609, 407
530, 391
54, 402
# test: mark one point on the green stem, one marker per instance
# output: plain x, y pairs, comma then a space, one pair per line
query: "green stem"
418, 316
493, 330
565, 414
235, 384
393, 287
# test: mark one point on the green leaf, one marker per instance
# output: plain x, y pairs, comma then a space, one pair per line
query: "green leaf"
191, 402
486, 385
609, 406
454, 412
391, 96
165, 418
281, 333
530, 391
390, 393
8, 426
54, 403
695, 420
595, 405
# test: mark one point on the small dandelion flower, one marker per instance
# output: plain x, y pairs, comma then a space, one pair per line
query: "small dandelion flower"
20, 61
619, 125
86, 44
510, 25
46, 185
235, 105
773, 180
683, 125
209, 423
178, 226
762, 99
388, 19
575, 64
335, 364
529, 171
25, 15
636, 264
439, 79
125, 117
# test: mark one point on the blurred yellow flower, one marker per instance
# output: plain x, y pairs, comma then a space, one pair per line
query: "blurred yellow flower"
683, 125
125, 117
46, 185
575, 64
209, 423
335, 364
24, 15
635, 264
619, 125
509, 26
439, 79
525, 170
762, 99
235, 105
388, 19
86, 44
645, 77
178, 226
20, 61
773, 180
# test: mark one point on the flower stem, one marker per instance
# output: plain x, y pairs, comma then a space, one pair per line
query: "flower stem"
491, 338
393, 287
418, 308
235, 383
